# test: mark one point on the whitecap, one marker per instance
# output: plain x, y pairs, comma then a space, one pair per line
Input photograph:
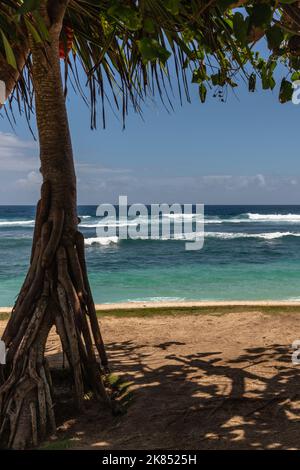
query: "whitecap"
104, 241
265, 236
17, 223
273, 217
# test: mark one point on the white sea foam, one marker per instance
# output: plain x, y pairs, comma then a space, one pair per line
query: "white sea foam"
104, 241
194, 235
242, 218
157, 299
255, 218
183, 216
216, 221
16, 223
265, 236
111, 240
273, 217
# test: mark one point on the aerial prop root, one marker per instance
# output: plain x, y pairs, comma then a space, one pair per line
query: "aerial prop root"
56, 292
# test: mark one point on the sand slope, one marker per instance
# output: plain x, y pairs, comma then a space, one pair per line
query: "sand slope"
199, 382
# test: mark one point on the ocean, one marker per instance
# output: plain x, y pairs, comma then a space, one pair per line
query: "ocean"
249, 253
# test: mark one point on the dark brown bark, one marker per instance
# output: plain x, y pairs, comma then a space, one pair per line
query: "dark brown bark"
56, 290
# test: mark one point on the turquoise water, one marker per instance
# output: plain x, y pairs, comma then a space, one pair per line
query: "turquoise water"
250, 252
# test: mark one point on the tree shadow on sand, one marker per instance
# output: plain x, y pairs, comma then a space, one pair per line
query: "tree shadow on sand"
197, 401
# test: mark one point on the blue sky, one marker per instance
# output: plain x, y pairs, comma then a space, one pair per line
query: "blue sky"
238, 152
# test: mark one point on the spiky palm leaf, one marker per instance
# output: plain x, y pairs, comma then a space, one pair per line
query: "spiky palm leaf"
125, 47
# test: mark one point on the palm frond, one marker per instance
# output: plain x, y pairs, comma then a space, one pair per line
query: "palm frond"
130, 50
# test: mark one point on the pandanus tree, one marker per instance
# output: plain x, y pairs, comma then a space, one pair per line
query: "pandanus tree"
127, 50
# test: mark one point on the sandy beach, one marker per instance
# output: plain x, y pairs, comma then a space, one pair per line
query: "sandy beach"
198, 381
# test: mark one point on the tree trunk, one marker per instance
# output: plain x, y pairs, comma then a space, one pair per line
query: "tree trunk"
56, 290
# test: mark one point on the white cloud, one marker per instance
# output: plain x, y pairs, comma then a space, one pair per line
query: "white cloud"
17, 154
233, 181
94, 168
31, 181
8, 140
209, 189
261, 181
20, 181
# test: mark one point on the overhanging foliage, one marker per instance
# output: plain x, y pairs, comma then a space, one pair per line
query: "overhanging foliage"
125, 47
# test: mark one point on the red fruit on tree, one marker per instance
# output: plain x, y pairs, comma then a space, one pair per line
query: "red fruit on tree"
66, 41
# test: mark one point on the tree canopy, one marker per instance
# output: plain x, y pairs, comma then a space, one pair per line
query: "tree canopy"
126, 47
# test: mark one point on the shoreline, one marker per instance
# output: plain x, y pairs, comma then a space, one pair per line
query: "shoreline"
188, 303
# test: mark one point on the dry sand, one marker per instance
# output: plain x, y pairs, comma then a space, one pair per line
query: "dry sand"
198, 382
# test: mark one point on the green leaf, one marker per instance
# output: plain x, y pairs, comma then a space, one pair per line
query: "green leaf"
261, 15
286, 91
10, 56
240, 27
202, 92
199, 75
218, 79
252, 83
129, 16
28, 6
267, 69
275, 37
268, 82
172, 6
295, 76
42, 28
294, 62
31, 29
151, 50
149, 26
